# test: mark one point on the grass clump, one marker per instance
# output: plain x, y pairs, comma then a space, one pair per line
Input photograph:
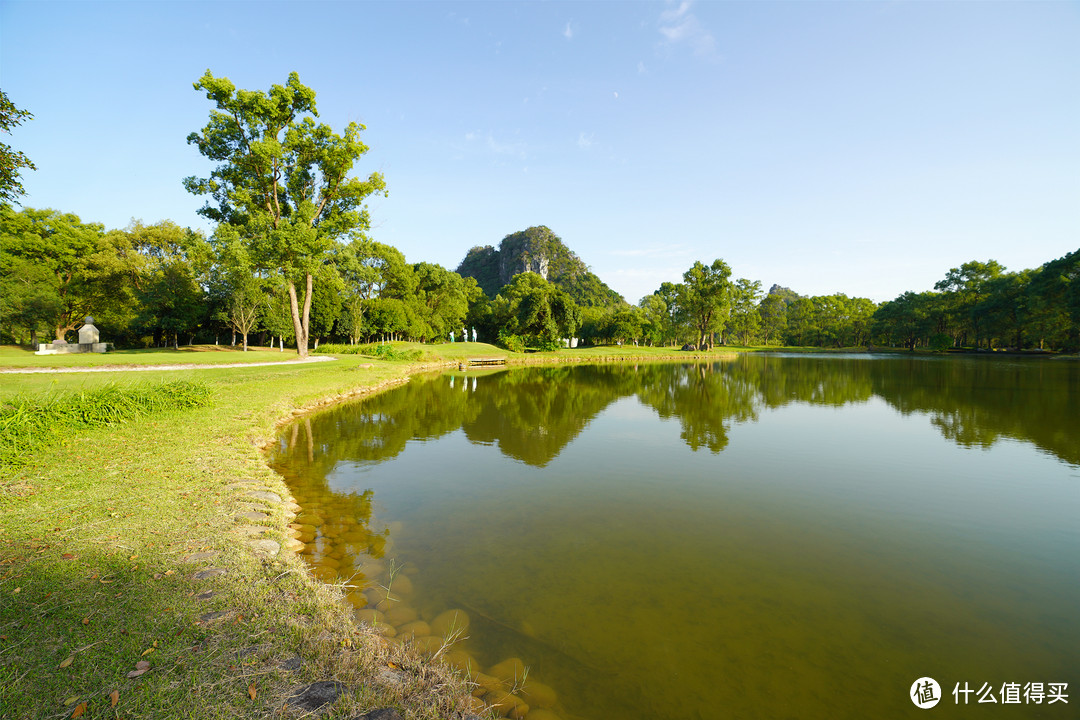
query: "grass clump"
383, 351
31, 422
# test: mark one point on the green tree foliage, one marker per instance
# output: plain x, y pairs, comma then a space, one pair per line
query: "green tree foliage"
654, 319
169, 284
773, 311
965, 288
58, 270
282, 182
745, 319
442, 300
532, 307
705, 297
12, 162
239, 298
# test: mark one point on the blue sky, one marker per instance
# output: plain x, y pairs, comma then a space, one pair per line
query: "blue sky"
857, 147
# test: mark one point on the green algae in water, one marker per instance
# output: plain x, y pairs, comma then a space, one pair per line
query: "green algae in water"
765, 537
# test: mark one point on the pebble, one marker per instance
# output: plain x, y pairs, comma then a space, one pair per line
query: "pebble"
251, 516
265, 495
208, 573
199, 556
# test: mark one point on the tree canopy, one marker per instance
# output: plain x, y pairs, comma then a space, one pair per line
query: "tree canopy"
282, 181
12, 161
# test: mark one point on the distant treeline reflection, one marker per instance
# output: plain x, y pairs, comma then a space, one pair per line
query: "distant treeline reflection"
532, 414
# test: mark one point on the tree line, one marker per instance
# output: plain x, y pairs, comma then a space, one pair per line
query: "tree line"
290, 260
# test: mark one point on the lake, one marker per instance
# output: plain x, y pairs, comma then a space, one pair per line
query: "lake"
767, 536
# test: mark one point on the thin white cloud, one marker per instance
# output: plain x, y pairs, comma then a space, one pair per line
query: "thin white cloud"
585, 141
641, 68
568, 31
679, 26
496, 146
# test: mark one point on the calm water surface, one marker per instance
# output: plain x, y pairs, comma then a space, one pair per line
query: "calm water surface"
766, 537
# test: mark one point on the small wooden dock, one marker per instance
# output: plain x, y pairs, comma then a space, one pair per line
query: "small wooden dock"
482, 361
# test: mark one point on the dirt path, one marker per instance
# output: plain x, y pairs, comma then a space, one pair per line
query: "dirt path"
179, 366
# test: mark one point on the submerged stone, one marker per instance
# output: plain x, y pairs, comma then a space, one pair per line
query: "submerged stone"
538, 694
402, 614
511, 670
506, 704
368, 616
415, 629
451, 621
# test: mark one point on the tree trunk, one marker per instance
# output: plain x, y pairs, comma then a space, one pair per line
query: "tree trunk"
300, 321
245, 342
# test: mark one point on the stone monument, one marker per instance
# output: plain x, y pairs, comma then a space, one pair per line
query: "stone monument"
89, 341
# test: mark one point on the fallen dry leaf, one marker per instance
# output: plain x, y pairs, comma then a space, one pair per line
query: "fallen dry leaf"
65, 663
86, 620
140, 667
146, 652
114, 697
67, 556
79, 709
71, 700
251, 690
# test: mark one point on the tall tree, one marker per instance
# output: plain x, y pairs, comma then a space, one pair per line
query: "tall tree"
170, 284
706, 298
773, 312
283, 181
11, 161
745, 320
966, 287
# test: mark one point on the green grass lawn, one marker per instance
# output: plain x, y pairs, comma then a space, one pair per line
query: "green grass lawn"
12, 356
94, 534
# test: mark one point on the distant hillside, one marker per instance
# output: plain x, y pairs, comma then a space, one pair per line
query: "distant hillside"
541, 251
